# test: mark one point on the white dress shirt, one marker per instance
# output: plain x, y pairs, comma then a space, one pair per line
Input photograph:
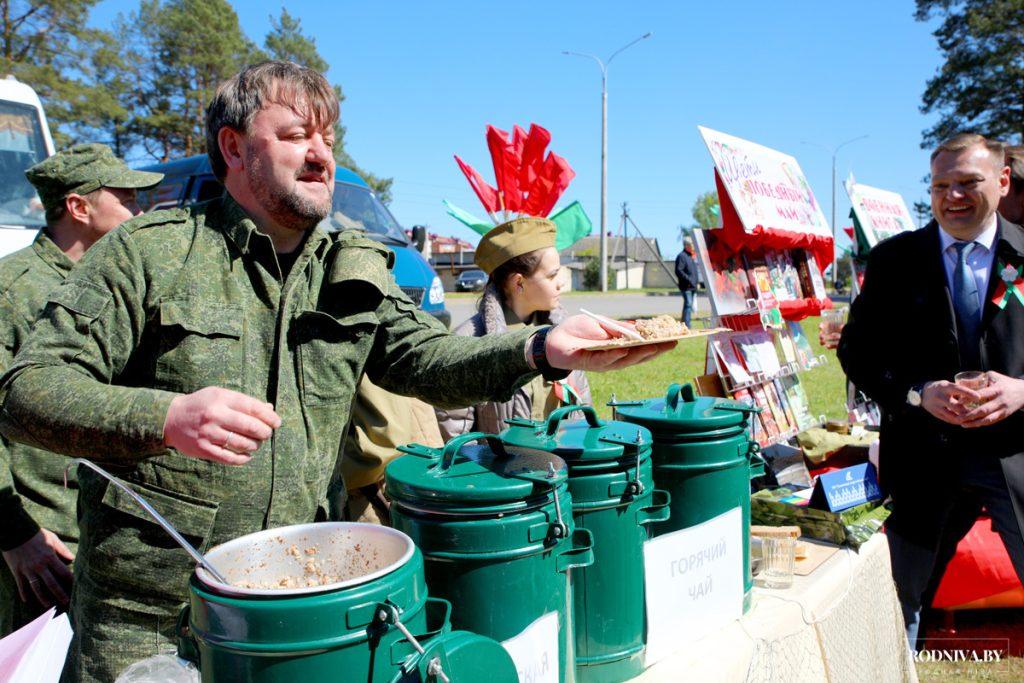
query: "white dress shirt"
980, 259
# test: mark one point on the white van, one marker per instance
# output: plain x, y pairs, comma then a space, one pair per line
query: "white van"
24, 141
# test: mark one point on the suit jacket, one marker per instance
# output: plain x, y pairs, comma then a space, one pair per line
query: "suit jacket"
902, 331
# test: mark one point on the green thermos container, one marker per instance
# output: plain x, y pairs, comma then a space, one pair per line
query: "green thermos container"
613, 497
496, 530
702, 456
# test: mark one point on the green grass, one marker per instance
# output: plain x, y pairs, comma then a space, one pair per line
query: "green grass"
825, 385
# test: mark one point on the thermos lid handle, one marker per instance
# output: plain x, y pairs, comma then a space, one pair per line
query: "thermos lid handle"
559, 414
674, 392
453, 446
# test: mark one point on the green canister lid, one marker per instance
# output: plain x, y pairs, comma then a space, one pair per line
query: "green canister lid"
484, 474
682, 412
579, 441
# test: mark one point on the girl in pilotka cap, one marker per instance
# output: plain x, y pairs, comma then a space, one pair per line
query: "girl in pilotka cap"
524, 282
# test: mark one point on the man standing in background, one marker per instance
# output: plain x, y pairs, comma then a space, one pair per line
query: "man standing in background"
86, 192
1011, 207
686, 274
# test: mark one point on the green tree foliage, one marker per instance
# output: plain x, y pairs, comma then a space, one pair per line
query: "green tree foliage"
47, 45
705, 210
286, 41
922, 211
180, 51
979, 86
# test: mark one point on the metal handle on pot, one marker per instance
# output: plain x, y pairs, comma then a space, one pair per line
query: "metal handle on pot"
188, 649
558, 415
144, 504
674, 392
388, 614
453, 446
658, 510
580, 552
757, 461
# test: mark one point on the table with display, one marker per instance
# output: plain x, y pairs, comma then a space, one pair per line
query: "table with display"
840, 623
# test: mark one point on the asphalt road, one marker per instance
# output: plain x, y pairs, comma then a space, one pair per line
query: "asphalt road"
611, 304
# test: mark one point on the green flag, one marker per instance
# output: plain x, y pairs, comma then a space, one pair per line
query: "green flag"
467, 219
571, 225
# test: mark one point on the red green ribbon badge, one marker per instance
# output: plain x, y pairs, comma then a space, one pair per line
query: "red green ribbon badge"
1011, 284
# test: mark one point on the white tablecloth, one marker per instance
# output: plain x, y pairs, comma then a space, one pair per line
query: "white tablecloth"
840, 624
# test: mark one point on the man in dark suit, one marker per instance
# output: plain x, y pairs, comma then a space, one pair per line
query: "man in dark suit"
938, 301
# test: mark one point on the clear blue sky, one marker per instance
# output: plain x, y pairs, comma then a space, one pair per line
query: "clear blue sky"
422, 80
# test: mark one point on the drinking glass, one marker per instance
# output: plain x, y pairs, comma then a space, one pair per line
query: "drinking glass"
834, 319
779, 559
975, 380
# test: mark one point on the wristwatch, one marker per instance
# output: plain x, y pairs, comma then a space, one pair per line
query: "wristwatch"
914, 396
538, 358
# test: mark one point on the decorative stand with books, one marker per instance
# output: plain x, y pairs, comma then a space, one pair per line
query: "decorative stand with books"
763, 269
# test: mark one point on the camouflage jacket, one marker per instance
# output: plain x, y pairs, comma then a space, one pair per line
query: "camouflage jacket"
177, 300
32, 492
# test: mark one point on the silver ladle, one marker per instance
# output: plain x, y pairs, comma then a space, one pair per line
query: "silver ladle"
196, 555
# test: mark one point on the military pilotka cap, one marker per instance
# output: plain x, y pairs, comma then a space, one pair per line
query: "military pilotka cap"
514, 238
83, 169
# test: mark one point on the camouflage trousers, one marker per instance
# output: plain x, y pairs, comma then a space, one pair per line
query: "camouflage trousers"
111, 633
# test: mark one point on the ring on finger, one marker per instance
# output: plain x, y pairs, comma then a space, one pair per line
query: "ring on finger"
227, 440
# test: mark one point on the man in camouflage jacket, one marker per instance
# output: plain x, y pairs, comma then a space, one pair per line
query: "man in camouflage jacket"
234, 333
86, 192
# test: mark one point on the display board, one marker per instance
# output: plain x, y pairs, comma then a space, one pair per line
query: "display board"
767, 188
880, 213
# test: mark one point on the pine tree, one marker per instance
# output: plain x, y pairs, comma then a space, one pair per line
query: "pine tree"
46, 45
980, 86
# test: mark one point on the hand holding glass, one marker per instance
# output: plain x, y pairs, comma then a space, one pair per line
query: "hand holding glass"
975, 380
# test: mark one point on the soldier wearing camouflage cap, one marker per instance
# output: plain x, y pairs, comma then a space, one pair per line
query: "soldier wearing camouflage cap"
86, 192
212, 353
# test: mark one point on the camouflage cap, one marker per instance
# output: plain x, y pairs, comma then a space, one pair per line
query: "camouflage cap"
83, 169
513, 238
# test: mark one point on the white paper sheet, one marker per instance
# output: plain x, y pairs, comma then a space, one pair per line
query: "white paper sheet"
535, 650
694, 583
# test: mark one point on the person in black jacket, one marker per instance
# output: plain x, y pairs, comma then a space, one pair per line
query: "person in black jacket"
686, 275
937, 301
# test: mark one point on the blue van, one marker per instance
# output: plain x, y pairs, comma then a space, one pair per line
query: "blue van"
191, 180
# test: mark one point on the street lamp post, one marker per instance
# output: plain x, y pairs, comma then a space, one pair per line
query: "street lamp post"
604, 151
835, 234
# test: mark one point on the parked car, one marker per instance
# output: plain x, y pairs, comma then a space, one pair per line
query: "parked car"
191, 180
470, 281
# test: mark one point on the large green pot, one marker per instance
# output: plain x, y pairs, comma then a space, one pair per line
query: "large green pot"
703, 457
613, 497
496, 530
375, 625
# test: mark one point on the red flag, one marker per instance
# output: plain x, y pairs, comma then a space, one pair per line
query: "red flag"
506, 168
849, 231
487, 194
533, 156
555, 176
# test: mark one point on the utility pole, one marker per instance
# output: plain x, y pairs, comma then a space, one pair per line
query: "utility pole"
604, 150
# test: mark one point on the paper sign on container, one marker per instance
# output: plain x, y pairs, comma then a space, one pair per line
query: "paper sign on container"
535, 650
694, 583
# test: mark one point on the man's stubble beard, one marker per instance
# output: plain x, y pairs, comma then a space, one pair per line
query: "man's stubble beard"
289, 209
